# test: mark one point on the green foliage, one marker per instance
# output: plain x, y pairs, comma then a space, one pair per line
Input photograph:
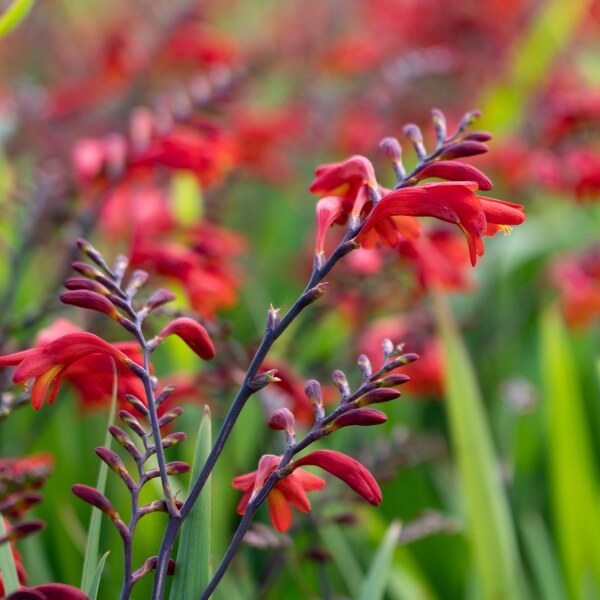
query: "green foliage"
194, 564
489, 521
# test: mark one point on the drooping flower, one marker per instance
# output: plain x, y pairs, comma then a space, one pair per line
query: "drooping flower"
47, 362
454, 202
288, 491
291, 490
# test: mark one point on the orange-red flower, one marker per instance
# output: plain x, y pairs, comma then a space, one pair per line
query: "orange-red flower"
291, 490
49, 591
47, 362
453, 202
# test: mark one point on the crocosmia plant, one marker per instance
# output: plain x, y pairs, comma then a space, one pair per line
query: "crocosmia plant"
224, 377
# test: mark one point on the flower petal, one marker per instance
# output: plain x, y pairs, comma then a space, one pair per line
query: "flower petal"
279, 508
193, 334
348, 470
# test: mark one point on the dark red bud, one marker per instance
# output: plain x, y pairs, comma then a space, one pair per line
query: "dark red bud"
170, 416
378, 395
177, 467
81, 283
359, 416
283, 420
92, 301
132, 422
478, 136
463, 149
160, 298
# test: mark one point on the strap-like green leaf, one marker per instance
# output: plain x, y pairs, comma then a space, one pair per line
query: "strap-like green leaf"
90, 559
489, 521
375, 583
193, 571
7, 564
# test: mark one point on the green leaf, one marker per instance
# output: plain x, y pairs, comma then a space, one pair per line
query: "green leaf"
14, 14
540, 553
90, 559
375, 583
573, 472
194, 567
552, 28
93, 593
7, 564
337, 545
489, 521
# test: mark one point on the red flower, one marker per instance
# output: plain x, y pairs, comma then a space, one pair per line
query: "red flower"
47, 362
291, 490
453, 202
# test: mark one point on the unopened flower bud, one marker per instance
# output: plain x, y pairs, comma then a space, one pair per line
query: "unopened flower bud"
468, 119
413, 133
341, 382
159, 298
122, 438
192, 333
136, 281
170, 416
19, 531
91, 252
312, 389
283, 420
173, 438
463, 149
137, 404
95, 498
377, 396
393, 380
132, 423
115, 463
359, 416
177, 467
439, 124
81, 283
165, 394
365, 366
92, 301
388, 347
391, 148
86, 270
264, 379
478, 136
121, 264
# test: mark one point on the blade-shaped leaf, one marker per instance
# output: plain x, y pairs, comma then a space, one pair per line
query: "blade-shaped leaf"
90, 559
93, 593
7, 564
194, 568
375, 583
573, 472
489, 525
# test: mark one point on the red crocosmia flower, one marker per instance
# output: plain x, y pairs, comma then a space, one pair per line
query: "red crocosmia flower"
288, 491
330, 210
453, 202
292, 489
193, 334
24, 473
344, 178
47, 363
49, 591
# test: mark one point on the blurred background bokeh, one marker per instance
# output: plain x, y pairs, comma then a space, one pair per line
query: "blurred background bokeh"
185, 133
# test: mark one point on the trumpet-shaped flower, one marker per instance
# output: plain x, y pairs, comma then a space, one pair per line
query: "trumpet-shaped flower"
291, 490
453, 202
47, 362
